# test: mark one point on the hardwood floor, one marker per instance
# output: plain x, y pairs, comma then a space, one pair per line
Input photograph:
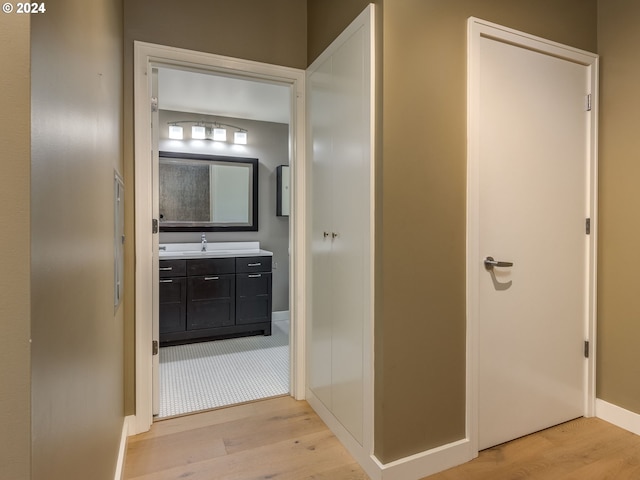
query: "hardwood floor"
583, 449
284, 439
278, 438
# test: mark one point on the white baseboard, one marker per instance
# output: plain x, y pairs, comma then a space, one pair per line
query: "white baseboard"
280, 316
413, 467
122, 451
618, 416
429, 462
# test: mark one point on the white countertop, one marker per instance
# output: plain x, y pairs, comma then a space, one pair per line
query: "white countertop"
173, 251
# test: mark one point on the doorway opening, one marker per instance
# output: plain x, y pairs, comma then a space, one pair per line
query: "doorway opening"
202, 181
276, 143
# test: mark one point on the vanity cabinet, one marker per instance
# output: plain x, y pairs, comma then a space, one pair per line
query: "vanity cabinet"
212, 298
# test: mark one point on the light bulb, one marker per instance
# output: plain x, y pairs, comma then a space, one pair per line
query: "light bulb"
240, 138
198, 132
175, 132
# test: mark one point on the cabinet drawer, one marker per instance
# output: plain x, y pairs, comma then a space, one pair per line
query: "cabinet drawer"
251, 285
211, 266
172, 268
207, 288
253, 264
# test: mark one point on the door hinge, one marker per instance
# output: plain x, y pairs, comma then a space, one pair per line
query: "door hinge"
586, 349
588, 103
154, 225
154, 104
154, 347
587, 226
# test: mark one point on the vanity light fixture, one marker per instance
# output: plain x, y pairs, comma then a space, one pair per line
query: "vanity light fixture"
198, 132
175, 132
202, 130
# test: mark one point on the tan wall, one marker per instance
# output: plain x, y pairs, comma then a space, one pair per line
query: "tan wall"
420, 298
618, 356
77, 350
326, 19
14, 244
269, 31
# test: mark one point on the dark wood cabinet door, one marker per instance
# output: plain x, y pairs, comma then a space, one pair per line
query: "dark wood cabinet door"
173, 301
253, 298
210, 301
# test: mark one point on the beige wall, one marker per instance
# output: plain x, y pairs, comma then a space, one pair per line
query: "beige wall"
420, 309
77, 350
618, 356
326, 20
14, 244
268, 31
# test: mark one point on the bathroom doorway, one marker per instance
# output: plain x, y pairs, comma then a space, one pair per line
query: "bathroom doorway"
179, 66
196, 375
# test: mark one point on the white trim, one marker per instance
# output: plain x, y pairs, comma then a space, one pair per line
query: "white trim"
427, 463
146, 56
127, 424
476, 29
618, 416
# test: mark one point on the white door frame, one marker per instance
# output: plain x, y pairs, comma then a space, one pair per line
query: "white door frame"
476, 30
147, 56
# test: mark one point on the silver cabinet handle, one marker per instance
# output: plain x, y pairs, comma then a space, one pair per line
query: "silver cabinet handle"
166, 281
253, 264
165, 269
325, 234
211, 278
257, 275
489, 263
334, 234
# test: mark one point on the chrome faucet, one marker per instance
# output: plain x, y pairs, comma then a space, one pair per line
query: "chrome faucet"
204, 242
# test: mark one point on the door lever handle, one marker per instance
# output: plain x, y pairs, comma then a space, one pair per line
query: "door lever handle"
489, 263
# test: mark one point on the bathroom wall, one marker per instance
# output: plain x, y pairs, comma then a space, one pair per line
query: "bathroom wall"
269, 143
15, 191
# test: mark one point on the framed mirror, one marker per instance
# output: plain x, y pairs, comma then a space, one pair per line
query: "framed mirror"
209, 193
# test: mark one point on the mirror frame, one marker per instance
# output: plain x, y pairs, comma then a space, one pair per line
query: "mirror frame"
203, 227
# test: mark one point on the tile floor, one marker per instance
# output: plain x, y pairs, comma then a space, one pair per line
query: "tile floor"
206, 375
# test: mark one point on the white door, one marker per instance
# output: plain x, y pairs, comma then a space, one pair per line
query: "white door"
339, 137
533, 199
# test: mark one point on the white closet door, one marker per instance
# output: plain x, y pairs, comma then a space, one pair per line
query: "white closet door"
351, 224
320, 131
339, 130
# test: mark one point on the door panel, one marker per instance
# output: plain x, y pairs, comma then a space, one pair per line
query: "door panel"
320, 132
533, 201
339, 131
350, 177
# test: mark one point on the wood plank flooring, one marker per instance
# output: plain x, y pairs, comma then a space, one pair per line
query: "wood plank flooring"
278, 438
583, 449
284, 439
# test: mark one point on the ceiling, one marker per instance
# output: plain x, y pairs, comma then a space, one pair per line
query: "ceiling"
205, 93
